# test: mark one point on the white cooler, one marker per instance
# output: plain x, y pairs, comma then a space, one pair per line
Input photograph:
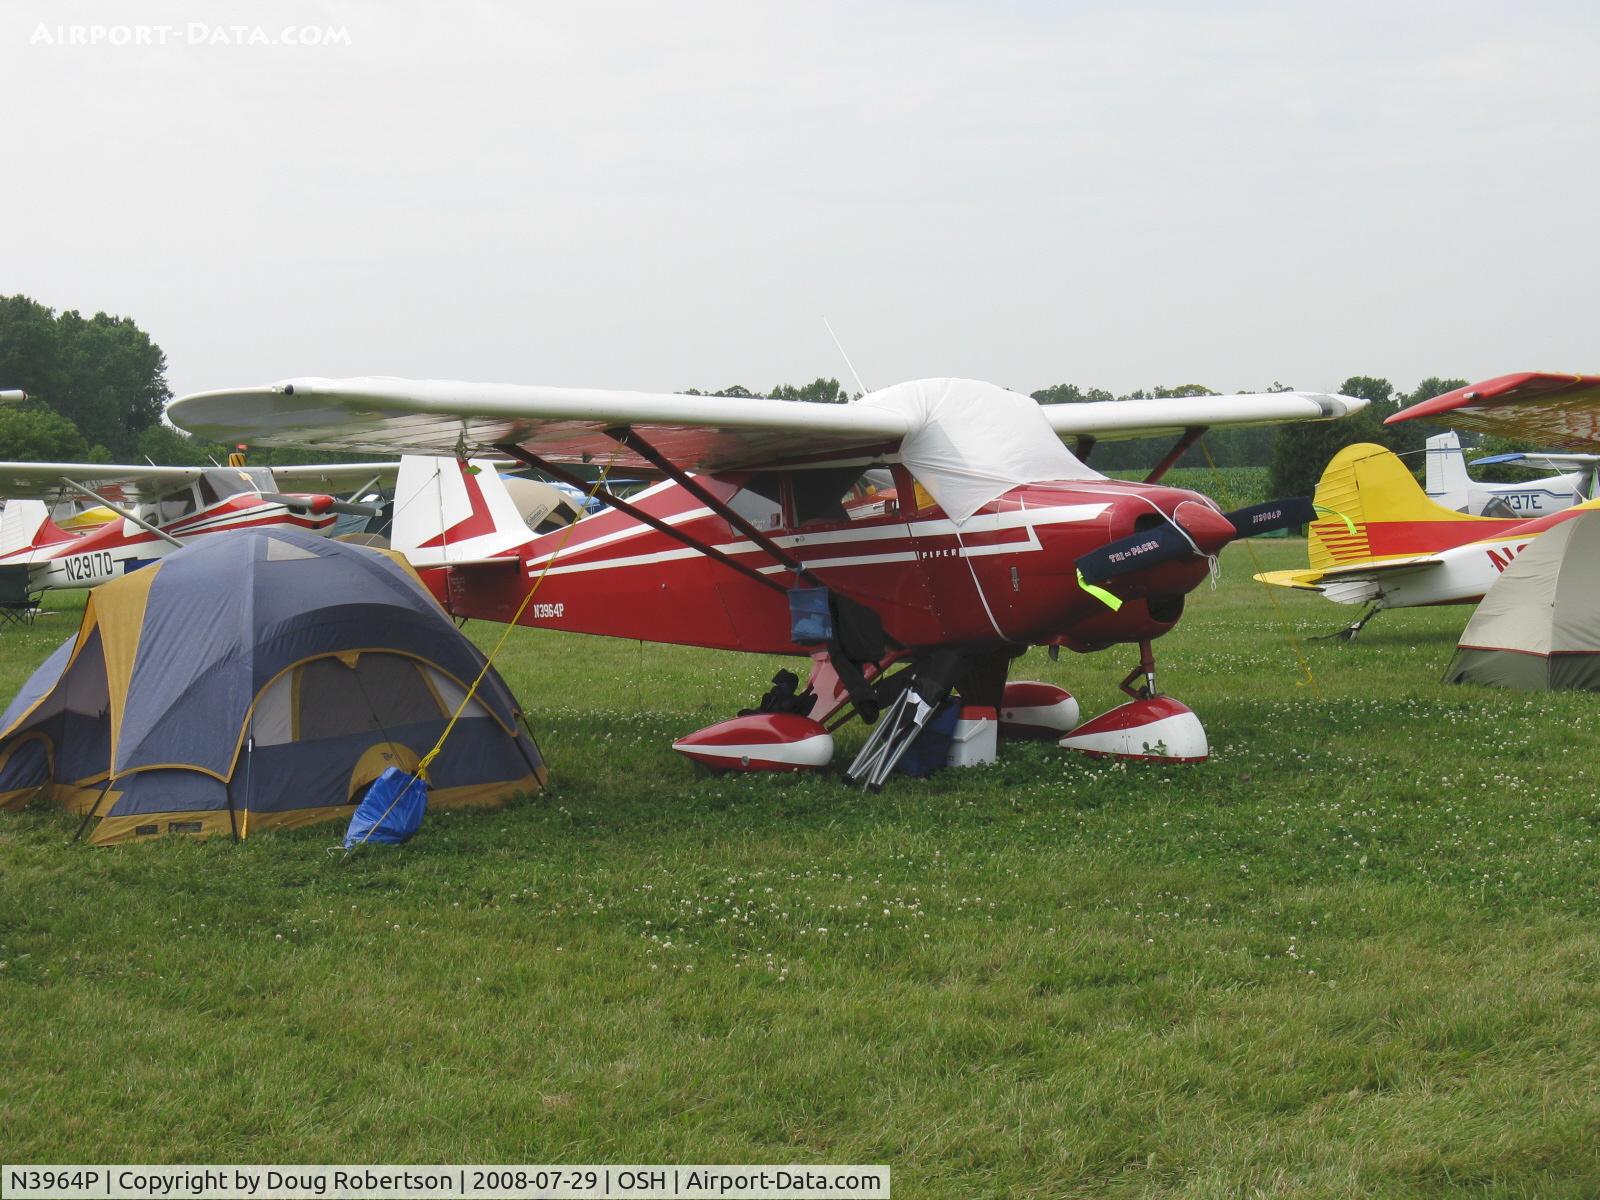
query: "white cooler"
975, 738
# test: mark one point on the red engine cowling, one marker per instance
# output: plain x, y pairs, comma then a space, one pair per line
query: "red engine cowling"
1136, 621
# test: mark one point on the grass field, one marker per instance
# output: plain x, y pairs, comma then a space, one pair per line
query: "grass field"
1353, 955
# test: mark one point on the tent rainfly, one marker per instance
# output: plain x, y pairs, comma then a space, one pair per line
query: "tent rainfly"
1538, 627
258, 681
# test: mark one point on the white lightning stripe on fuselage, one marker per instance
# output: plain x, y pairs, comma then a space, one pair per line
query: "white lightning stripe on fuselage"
1026, 519
617, 535
861, 560
222, 520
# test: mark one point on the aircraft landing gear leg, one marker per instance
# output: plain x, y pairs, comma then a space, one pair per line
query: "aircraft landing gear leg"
1150, 726
1349, 632
1146, 670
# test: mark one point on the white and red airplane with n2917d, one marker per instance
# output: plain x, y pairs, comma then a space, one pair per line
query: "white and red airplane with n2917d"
910, 543
153, 510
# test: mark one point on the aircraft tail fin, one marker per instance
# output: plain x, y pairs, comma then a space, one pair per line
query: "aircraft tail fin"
447, 512
1366, 485
1446, 481
26, 525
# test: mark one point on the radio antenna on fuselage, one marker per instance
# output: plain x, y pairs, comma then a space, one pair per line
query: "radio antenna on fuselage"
846, 357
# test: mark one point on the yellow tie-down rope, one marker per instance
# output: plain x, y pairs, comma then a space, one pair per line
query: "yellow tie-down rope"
488, 663
1272, 592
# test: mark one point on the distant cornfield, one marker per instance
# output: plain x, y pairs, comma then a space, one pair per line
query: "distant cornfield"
1231, 487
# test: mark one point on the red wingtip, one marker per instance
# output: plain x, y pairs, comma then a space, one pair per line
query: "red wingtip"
1528, 383
1471, 394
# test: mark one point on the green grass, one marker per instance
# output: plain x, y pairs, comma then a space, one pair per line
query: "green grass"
1355, 954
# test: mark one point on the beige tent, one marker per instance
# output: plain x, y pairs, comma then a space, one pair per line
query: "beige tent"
1539, 625
543, 505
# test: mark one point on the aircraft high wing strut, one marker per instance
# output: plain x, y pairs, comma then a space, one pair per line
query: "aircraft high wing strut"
1187, 439
628, 438
125, 514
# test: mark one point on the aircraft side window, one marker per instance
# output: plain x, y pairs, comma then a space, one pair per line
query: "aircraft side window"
178, 505
912, 496
760, 501
875, 494
838, 494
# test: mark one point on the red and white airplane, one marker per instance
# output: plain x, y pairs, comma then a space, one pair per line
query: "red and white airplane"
156, 509
940, 524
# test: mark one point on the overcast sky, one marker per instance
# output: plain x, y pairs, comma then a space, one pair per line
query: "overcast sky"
670, 195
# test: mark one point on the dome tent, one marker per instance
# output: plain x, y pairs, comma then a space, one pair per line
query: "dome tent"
255, 681
1538, 627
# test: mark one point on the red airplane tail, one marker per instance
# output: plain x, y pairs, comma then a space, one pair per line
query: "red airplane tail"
26, 525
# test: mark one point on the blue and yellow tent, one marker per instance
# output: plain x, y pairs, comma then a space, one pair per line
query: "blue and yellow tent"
259, 680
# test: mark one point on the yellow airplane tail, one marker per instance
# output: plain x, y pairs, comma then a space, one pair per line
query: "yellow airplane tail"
1365, 485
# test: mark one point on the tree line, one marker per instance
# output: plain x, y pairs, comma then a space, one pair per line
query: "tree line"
97, 386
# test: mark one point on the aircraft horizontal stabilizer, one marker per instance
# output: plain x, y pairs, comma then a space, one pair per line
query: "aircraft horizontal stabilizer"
1306, 581
1379, 566
1348, 583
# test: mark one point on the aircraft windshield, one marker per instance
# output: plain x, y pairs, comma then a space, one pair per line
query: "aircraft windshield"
222, 482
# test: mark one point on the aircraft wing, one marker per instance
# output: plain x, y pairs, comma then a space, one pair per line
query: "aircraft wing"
561, 424
1109, 420
706, 433
117, 483
1551, 410
336, 478
1540, 461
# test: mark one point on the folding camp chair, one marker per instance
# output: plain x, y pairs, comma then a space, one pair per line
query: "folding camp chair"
17, 605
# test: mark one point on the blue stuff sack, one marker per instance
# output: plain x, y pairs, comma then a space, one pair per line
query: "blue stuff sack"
379, 818
810, 619
932, 748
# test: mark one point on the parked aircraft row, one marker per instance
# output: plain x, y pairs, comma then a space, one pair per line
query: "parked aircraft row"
1383, 542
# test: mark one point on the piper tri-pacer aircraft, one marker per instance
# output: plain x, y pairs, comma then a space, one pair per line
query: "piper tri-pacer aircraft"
1380, 541
939, 524
156, 509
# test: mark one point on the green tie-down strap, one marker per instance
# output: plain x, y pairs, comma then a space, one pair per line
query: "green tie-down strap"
1100, 593
1334, 512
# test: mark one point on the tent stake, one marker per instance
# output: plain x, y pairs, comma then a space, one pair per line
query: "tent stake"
89, 816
